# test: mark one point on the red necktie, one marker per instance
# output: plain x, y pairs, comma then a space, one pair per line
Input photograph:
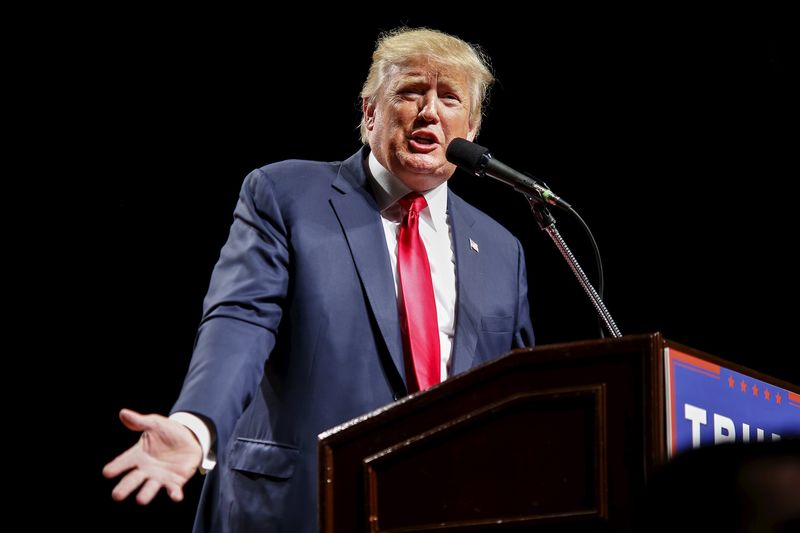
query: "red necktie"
420, 326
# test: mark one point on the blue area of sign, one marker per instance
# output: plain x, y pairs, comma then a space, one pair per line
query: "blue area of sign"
731, 406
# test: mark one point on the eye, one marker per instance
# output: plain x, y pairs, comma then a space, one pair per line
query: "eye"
450, 98
409, 92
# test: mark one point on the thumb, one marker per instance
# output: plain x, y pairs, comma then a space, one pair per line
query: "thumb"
136, 421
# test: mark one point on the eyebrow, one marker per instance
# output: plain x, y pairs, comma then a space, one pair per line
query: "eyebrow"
416, 77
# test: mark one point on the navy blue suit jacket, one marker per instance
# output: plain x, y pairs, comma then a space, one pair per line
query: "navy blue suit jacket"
300, 332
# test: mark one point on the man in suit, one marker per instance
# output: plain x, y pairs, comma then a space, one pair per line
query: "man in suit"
307, 322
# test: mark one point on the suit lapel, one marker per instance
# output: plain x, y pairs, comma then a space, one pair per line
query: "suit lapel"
467, 285
357, 211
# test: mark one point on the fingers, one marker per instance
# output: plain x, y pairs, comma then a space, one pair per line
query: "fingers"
149, 479
128, 484
112, 469
136, 421
120, 464
163, 457
148, 492
127, 460
175, 492
149, 488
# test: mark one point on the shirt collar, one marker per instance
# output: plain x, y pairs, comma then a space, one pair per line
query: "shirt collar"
388, 189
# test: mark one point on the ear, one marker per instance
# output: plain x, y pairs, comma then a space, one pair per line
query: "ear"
369, 114
473, 131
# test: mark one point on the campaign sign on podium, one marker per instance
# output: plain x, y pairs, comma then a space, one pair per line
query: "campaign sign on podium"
708, 403
554, 438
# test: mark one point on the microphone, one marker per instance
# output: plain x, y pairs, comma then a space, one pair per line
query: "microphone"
477, 160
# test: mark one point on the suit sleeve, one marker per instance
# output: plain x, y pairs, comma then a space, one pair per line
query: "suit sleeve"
241, 312
523, 332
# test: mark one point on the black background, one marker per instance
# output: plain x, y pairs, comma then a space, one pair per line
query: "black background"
673, 134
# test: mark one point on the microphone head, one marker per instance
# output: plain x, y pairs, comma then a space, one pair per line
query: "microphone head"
467, 155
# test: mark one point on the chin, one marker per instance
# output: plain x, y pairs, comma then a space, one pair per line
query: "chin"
423, 164
421, 182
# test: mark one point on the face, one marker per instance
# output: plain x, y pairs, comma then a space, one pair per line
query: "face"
420, 109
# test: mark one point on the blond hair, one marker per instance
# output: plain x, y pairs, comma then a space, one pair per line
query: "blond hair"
398, 46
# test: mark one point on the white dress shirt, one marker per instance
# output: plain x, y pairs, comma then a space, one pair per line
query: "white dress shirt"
436, 234
434, 229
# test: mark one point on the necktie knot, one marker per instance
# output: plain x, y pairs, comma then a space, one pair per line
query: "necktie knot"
413, 202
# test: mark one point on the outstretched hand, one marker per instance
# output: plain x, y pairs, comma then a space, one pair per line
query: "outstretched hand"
167, 455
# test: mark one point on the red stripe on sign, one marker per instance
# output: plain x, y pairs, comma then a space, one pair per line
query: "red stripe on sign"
794, 399
693, 368
696, 361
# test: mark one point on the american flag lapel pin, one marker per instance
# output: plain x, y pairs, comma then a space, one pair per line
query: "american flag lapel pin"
474, 246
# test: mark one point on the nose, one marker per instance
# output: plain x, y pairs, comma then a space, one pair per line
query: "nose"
429, 110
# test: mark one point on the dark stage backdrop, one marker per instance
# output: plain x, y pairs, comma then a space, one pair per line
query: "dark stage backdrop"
674, 136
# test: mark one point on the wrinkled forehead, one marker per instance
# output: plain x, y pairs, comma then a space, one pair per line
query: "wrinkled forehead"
427, 69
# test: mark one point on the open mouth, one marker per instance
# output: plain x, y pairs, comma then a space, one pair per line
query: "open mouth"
424, 141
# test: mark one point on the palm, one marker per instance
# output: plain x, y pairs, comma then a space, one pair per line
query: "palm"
165, 449
166, 456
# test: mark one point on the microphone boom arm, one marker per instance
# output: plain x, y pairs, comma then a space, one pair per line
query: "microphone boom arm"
477, 160
548, 224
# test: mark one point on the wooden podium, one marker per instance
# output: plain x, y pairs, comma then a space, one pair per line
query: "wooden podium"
560, 437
